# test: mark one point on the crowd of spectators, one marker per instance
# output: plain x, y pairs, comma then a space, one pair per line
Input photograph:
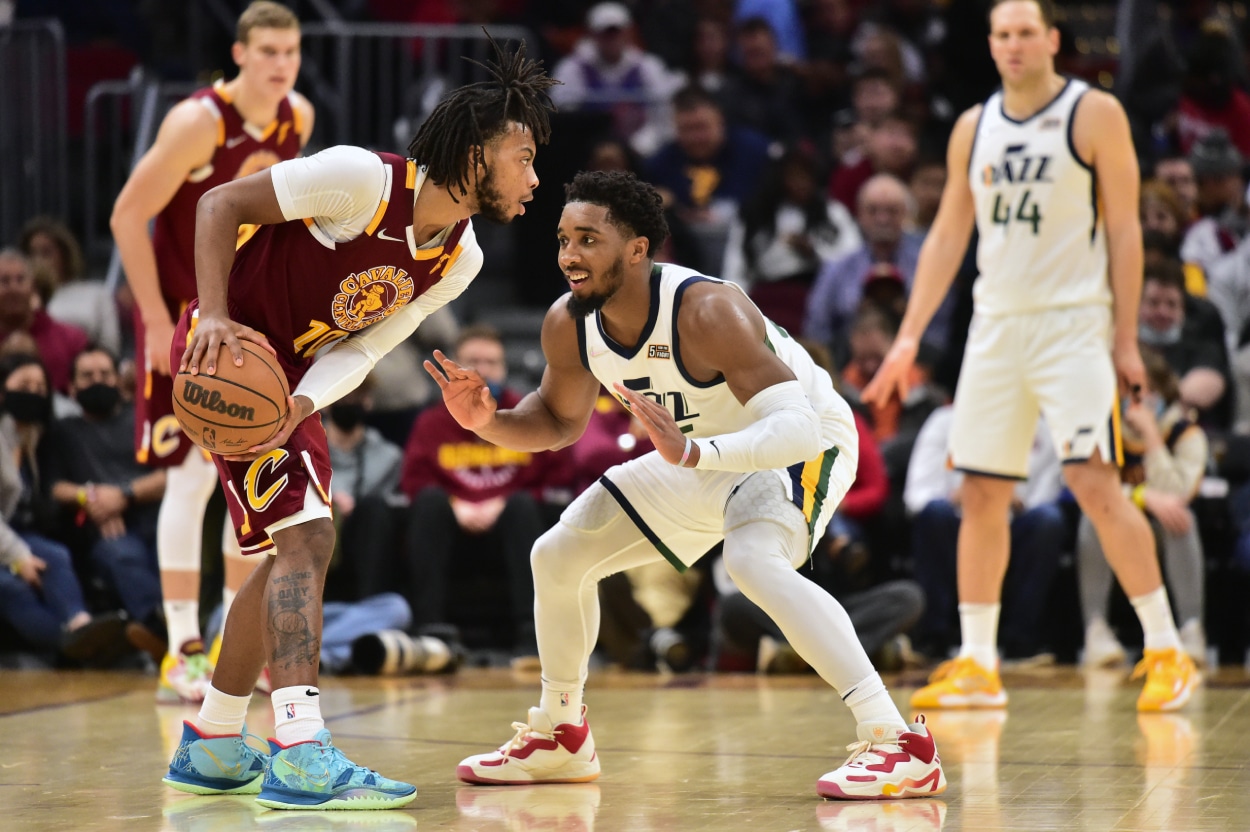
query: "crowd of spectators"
799, 147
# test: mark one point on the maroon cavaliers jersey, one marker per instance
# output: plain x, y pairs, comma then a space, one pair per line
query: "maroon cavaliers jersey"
238, 154
304, 291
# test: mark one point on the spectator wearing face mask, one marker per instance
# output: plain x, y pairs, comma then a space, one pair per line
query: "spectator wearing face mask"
107, 497
1198, 356
474, 502
40, 595
365, 497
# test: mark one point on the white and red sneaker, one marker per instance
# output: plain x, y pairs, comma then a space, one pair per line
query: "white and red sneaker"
539, 753
887, 763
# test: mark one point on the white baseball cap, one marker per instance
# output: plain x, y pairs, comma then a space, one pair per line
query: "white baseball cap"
606, 16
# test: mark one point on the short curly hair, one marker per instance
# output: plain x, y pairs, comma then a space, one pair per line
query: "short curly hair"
633, 206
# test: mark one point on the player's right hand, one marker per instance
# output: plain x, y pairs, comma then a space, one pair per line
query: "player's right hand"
464, 392
157, 336
891, 376
211, 331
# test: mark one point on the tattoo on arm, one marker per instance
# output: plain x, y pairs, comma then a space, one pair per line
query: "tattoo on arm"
292, 601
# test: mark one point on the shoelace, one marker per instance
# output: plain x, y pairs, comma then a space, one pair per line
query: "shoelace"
864, 747
523, 732
1148, 664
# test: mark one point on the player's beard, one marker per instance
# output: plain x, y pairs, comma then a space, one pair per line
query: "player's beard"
491, 203
613, 278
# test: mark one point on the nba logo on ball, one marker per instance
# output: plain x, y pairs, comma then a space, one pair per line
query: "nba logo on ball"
290, 710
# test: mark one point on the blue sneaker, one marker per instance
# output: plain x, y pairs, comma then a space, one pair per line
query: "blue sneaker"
316, 775
215, 765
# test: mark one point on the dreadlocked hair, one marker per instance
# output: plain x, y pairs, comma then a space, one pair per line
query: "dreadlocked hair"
633, 206
476, 114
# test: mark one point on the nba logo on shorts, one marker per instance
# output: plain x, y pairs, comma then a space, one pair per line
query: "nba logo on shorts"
564, 699
290, 711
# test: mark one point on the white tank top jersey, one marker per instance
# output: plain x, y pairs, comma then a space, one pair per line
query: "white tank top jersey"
1043, 243
703, 409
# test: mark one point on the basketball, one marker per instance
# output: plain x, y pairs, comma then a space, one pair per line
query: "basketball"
237, 408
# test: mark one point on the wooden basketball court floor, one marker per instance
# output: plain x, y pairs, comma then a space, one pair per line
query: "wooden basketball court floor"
86, 751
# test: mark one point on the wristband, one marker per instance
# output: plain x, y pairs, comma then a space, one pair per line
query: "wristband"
686, 453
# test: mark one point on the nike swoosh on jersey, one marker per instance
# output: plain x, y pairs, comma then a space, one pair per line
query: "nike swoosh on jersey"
382, 235
235, 142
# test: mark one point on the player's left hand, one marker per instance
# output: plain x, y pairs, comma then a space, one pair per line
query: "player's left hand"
1129, 370
661, 427
298, 408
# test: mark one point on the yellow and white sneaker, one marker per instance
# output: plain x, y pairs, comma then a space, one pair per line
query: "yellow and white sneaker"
1171, 678
185, 676
961, 683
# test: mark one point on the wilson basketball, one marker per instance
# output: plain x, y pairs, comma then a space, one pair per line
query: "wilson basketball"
236, 408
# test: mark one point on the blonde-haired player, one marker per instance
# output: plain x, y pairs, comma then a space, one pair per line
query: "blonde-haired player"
1046, 170
218, 134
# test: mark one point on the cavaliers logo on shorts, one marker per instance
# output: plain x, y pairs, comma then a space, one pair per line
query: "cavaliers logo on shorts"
370, 296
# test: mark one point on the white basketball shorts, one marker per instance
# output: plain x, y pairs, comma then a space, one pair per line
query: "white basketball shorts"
1057, 362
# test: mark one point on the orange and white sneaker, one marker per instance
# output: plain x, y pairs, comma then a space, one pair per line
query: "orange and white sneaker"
961, 683
1170, 680
539, 753
185, 676
887, 763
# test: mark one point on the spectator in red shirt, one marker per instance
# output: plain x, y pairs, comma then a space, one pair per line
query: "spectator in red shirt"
478, 501
58, 343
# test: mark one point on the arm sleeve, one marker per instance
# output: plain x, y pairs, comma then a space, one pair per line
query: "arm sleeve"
340, 187
345, 365
784, 430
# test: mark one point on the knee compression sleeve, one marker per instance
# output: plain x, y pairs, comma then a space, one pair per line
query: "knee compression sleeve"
180, 522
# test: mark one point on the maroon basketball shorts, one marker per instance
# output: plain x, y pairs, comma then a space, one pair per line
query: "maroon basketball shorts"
285, 487
159, 441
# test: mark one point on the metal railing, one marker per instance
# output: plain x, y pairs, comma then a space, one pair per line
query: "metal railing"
33, 130
122, 118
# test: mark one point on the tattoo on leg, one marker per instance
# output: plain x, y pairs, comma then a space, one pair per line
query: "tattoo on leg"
290, 600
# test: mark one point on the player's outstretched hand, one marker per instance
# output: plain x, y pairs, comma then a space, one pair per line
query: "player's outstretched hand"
298, 408
661, 426
891, 376
464, 392
211, 331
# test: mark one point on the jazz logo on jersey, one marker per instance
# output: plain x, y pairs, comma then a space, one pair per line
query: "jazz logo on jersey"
658, 351
370, 296
1017, 168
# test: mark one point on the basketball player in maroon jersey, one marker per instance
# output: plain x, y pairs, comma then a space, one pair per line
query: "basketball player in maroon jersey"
355, 249
218, 134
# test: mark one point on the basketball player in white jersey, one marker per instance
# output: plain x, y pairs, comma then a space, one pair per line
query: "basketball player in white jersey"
236, 128
753, 447
1046, 170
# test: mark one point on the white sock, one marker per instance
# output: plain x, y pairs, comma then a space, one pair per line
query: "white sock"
562, 704
182, 620
979, 627
869, 701
1156, 620
222, 713
297, 714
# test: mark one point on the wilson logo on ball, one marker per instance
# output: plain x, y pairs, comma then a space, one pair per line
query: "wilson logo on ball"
196, 396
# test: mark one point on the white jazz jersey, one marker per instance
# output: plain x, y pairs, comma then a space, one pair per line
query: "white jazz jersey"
701, 408
1042, 239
